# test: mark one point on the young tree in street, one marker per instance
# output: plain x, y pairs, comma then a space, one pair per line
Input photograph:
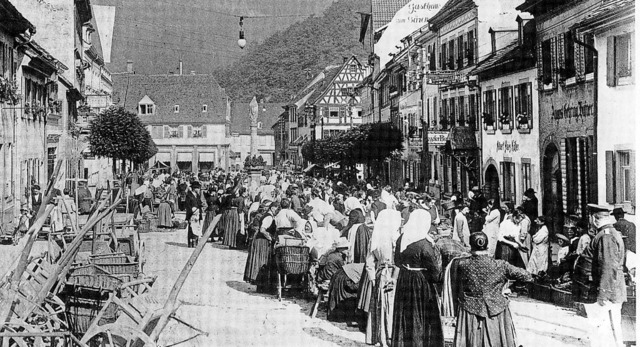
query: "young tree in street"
118, 134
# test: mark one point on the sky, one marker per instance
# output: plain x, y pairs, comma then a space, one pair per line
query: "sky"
156, 34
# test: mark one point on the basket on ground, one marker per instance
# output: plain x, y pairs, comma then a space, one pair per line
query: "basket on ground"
292, 260
82, 311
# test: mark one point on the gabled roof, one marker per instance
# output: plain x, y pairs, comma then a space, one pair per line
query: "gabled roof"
12, 20
241, 122
188, 91
511, 58
606, 13
451, 9
329, 78
146, 100
384, 10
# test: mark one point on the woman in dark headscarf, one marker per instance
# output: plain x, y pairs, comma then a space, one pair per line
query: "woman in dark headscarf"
213, 204
230, 220
483, 313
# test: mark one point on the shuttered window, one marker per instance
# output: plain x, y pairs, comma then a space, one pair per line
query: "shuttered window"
547, 62
588, 55
610, 177
619, 60
507, 172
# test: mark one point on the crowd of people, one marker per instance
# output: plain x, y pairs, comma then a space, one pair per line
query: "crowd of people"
403, 263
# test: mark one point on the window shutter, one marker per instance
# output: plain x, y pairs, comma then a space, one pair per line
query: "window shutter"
632, 179
189, 131
610, 177
204, 131
499, 99
517, 109
560, 49
465, 55
501, 181
484, 103
510, 104
539, 66
611, 64
579, 52
530, 103
180, 131
554, 61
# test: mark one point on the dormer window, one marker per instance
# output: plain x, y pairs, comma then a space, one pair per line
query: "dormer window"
176, 108
146, 106
146, 109
204, 108
259, 125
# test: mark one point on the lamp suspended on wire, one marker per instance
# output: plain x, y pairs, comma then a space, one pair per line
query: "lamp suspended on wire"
241, 40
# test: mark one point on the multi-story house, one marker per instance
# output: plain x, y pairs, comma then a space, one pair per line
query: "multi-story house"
326, 107
464, 39
611, 30
240, 132
60, 31
510, 129
567, 107
188, 117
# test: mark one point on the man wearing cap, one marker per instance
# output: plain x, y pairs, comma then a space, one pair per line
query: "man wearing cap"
36, 202
461, 225
295, 200
194, 204
626, 228
599, 280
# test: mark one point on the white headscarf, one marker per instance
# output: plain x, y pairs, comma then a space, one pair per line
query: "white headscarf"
416, 228
385, 230
351, 204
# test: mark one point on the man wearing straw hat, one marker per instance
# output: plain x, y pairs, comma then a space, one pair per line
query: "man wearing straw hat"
599, 280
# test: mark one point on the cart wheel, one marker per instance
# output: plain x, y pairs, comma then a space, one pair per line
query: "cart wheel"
117, 335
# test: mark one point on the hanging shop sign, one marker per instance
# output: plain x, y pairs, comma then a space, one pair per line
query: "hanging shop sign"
445, 77
462, 138
437, 138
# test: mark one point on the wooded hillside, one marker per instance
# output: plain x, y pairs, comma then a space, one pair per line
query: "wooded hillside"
279, 67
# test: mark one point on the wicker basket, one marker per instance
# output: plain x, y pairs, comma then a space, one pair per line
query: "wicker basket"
115, 264
97, 281
292, 260
89, 269
82, 311
144, 226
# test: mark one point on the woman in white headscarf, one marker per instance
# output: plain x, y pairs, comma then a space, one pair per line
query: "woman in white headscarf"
352, 203
381, 273
416, 318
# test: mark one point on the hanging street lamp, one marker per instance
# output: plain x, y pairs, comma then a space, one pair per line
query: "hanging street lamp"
241, 40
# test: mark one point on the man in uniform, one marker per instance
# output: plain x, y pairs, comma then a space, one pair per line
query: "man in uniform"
599, 279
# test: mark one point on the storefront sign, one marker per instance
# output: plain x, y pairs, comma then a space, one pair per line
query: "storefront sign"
415, 143
444, 77
508, 146
463, 138
437, 138
567, 111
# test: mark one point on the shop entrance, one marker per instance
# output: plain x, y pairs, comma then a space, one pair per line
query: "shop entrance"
552, 187
492, 183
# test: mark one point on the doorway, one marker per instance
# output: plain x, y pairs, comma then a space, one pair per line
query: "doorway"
492, 183
552, 188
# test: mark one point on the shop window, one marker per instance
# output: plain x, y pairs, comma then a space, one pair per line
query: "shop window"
619, 60
507, 172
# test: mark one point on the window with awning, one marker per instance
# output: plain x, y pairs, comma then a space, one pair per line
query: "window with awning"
185, 156
206, 157
163, 157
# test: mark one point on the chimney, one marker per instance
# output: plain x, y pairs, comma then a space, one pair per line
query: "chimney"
180, 67
344, 59
493, 40
129, 66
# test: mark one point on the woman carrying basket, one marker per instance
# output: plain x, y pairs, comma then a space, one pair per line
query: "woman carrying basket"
484, 318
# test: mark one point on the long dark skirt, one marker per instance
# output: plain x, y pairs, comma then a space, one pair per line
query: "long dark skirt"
380, 319
365, 288
341, 288
509, 254
192, 240
496, 331
207, 220
259, 254
164, 215
416, 318
229, 227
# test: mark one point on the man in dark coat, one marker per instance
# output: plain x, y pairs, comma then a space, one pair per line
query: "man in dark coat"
194, 204
626, 228
36, 202
599, 279
530, 204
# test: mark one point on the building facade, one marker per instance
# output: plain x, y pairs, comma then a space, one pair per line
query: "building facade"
240, 133
611, 28
188, 117
509, 108
566, 88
